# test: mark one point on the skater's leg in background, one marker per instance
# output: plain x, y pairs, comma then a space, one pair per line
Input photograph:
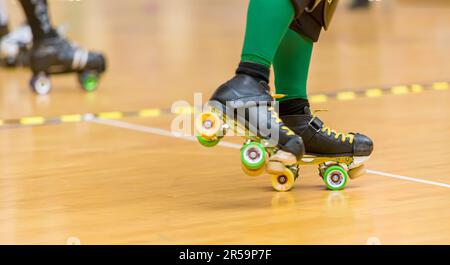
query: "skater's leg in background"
267, 23
291, 66
3, 19
359, 4
50, 49
38, 18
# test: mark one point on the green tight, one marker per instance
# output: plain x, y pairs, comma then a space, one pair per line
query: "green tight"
268, 40
291, 65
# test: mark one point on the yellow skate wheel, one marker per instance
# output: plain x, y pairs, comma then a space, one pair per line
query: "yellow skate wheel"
208, 125
252, 173
357, 172
283, 182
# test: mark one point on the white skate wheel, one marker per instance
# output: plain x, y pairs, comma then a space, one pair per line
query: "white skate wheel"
41, 84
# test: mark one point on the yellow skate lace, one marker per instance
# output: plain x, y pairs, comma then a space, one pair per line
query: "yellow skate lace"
337, 135
277, 96
277, 118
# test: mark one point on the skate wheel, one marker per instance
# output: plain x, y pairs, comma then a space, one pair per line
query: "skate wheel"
207, 143
283, 182
88, 81
253, 156
41, 84
357, 172
208, 125
335, 177
252, 173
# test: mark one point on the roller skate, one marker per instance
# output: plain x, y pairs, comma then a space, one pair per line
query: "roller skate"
58, 56
340, 156
15, 46
244, 105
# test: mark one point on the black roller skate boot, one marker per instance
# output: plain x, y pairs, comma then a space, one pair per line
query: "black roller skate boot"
15, 46
244, 105
339, 155
57, 56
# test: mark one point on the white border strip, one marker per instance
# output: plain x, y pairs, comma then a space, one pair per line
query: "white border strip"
162, 132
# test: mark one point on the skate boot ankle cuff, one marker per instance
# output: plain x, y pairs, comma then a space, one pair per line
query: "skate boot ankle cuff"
255, 70
295, 106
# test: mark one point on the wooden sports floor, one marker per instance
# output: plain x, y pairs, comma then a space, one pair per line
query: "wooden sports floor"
124, 179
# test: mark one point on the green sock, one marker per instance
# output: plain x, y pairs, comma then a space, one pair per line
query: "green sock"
267, 23
291, 66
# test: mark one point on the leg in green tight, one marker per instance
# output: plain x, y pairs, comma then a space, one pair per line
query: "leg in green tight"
267, 23
291, 66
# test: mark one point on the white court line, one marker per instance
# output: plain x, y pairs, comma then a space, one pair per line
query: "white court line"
162, 132
429, 182
153, 130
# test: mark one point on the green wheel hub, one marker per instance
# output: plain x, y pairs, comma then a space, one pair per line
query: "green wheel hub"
207, 143
253, 156
335, 177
